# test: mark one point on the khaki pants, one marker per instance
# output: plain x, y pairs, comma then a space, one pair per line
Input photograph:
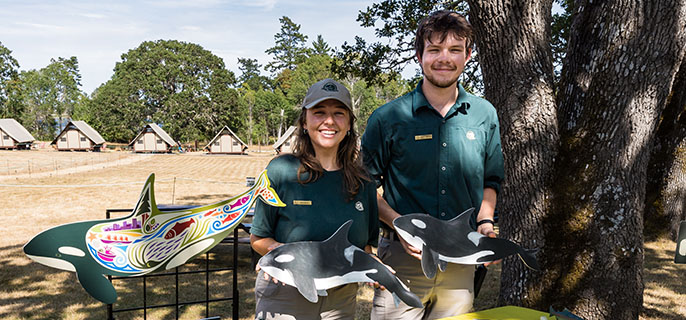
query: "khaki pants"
448, 294
278, 301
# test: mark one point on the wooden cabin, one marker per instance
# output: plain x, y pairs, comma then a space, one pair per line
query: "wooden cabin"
226, 142
153, 139
78, 136
285, 143
14, 136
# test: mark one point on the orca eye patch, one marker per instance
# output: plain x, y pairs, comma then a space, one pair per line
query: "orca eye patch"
284, 258
418, 223
71, 251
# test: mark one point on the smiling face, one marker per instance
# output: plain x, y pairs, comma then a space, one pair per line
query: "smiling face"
442, 62
327, 124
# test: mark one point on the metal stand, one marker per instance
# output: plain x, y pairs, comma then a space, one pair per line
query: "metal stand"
234, 297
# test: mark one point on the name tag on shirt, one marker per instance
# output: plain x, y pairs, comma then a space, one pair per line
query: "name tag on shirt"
423, 137
302, 202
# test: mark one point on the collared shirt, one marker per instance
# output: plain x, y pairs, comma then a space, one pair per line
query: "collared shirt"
315, 210
432, 164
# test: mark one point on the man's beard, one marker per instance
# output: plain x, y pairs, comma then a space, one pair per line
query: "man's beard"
440, 83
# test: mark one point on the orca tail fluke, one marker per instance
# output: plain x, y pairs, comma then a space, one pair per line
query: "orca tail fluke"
528, 256
266, 192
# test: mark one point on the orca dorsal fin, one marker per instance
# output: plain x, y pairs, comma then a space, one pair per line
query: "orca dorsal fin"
462, 217
146, 202
341, 235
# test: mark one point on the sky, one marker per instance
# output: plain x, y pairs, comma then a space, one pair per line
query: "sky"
99, 32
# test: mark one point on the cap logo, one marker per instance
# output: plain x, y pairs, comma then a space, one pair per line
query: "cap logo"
330, 86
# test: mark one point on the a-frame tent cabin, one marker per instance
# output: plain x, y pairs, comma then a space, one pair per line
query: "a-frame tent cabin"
78, 135
285, 143
226, 142
14, 136
153, 139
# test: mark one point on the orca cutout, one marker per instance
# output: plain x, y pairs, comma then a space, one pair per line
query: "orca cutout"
455, 241
312, 267
145, 241
680, 254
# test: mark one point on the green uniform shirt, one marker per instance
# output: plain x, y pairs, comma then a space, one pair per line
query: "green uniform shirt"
314, 211
431, 164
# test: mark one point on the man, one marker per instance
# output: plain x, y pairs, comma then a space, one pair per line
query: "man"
435, 150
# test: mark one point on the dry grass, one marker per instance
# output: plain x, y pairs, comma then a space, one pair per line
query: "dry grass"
114, 179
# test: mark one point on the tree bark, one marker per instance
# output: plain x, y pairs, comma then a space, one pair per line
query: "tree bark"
518, 76
621, 61
666, 191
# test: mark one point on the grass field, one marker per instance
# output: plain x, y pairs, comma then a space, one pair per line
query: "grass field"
41, 189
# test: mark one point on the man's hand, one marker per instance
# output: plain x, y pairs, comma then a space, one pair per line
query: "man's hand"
416, 253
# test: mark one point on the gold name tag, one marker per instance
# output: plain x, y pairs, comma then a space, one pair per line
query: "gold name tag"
423, 137
302, 202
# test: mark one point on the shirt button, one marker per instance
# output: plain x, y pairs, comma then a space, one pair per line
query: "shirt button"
443, 168
443, 191
442, 214
445, 144
443, 121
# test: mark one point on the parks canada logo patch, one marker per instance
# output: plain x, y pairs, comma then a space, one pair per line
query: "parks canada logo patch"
359, 206
330, 86
471, 135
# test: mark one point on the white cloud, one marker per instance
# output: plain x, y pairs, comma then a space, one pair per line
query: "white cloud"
93, 15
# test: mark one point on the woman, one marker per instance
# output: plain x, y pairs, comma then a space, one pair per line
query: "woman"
323, 184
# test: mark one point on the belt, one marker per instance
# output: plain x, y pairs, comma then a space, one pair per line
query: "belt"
389, 234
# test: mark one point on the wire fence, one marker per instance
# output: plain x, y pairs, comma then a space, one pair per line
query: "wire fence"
15, 167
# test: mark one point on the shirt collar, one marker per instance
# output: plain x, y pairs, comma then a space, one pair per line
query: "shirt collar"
419, 100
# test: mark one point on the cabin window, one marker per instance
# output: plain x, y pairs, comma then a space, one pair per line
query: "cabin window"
63, 139
140, 141
83, 139
216, 143
235, 143
288, 143
6, 137
159, 141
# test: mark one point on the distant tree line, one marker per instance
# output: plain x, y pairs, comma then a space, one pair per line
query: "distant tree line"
186, 89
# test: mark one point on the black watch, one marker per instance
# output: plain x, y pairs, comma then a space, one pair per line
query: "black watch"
480, 222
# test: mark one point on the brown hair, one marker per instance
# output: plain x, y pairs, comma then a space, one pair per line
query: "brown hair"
347, 156
443, 23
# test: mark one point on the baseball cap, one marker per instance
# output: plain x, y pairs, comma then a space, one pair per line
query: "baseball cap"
324, 90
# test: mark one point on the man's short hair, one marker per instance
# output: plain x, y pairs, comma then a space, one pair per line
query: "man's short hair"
443, 23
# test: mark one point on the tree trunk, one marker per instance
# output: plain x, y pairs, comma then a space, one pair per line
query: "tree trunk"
619, 70
666, 190
518, 76
621, 60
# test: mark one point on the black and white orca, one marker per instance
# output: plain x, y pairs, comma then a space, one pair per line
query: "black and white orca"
455, 241
312, 267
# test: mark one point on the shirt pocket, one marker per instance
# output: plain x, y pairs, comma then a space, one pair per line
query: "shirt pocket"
469, 149
416, 150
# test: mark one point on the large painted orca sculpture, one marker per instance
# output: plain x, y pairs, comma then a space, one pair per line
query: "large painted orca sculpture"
312, 267
145, 241
455, 241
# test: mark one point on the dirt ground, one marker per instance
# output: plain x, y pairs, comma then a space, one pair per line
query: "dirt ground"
41, 189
